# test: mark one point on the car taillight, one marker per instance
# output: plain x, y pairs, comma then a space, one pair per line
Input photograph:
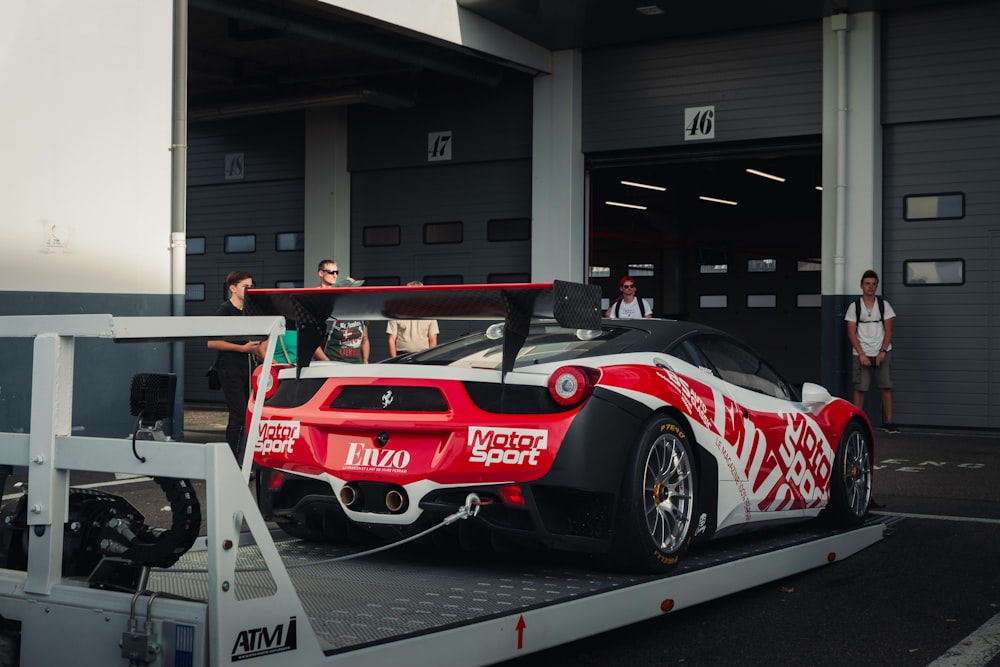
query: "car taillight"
269, 384
569, 385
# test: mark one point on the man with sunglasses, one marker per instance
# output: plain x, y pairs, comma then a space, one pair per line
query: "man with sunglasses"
628, 306
346, 340
329, 274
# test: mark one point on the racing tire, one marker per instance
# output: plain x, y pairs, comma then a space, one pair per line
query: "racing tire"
850, 479
658, 505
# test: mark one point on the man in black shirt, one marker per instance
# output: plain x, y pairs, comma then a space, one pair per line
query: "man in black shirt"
233, 362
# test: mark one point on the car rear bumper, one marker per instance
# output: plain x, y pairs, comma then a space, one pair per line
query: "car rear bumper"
571, 507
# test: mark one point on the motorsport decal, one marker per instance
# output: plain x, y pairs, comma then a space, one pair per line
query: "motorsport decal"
368, 458
781, 462
277, 436
787, 471
258, 642
807, 459
506, 446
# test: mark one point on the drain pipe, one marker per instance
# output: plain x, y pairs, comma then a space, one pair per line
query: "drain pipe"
178, 199
839, 24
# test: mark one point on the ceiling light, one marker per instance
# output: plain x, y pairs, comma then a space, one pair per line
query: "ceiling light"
658, 188
717, 201
766, 175
649, 10
623, 205
820, 188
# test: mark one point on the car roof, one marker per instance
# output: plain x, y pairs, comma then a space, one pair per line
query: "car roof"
663, 333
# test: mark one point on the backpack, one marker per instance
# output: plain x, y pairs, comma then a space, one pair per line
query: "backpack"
642, 307
881, 310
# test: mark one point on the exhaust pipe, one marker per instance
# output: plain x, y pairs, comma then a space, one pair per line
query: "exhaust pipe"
394, 500
348, 495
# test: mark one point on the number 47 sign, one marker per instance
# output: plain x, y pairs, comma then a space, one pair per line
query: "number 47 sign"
438, 146
699, 123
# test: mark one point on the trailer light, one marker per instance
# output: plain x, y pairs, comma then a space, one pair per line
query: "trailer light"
151, 397
512, 495
569, 385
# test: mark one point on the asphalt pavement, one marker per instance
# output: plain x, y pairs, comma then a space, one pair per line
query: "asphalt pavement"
927, 594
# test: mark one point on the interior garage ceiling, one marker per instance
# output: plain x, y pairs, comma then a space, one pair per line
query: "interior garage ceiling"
262, 56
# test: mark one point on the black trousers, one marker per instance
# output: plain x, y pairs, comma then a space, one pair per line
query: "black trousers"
236, 390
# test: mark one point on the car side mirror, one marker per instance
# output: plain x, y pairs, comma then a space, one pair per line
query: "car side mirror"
813, 395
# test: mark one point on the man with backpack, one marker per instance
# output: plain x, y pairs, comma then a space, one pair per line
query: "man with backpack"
870, 322
628, 306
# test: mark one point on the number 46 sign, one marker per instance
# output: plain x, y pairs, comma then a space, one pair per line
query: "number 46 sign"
699, 123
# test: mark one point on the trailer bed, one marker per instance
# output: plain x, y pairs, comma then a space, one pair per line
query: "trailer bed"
415, 590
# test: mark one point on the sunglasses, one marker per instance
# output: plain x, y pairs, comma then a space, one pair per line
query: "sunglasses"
627, 285
330, 271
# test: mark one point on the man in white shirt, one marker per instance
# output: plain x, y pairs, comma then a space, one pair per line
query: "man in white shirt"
628, 306
870, 324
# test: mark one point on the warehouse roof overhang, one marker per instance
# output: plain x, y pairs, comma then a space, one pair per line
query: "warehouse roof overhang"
263, 56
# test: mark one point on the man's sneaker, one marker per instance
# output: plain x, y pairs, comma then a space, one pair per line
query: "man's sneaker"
889, 427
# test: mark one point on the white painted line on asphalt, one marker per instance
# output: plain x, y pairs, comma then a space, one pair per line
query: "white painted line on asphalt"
976, 650
96, 485
941, 517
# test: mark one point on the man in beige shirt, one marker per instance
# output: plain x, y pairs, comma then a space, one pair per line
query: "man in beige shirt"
407, 336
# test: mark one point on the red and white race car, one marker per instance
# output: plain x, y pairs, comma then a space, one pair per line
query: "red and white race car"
628, 438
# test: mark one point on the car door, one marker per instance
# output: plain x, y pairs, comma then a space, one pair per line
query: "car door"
769, 436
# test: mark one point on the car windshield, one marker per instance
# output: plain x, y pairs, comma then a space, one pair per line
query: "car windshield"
546, 343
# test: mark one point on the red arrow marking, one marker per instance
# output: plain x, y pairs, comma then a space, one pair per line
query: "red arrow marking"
520, 632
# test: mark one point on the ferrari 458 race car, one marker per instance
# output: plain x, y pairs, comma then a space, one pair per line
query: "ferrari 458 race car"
627, 438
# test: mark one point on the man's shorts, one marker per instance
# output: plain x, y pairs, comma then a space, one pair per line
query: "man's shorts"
863, 376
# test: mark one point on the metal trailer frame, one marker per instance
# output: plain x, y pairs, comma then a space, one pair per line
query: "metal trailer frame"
63, 618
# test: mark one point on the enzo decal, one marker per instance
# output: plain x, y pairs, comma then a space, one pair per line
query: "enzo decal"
365, 457
506, 446
723, 447
277, 437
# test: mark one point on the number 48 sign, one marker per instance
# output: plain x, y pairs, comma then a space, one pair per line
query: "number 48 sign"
699, 123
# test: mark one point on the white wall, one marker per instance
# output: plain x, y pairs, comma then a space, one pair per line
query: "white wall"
558, 216
85, 105
445, 20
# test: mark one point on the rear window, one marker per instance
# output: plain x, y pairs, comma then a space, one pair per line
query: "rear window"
546, 343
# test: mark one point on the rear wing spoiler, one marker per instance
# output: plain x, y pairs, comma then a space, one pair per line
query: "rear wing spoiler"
572, 305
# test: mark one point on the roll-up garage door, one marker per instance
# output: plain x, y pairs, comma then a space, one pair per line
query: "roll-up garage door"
941, 268
245, 211
454, 224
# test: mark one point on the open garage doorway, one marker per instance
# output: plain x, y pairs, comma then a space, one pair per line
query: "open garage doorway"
730, 239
